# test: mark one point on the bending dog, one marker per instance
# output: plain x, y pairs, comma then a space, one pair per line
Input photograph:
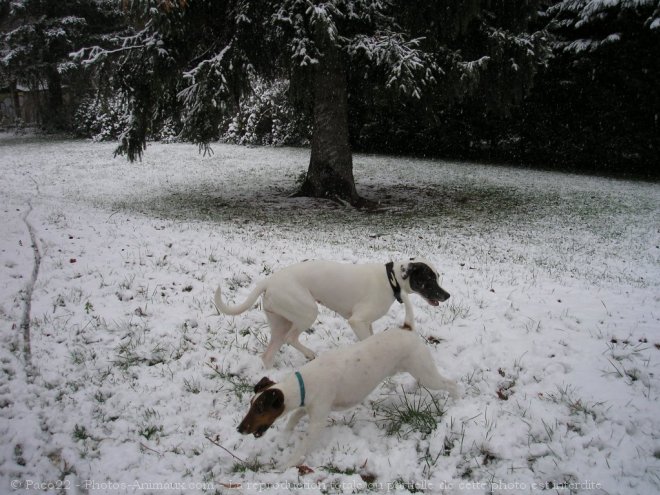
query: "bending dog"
337, 380
360, 293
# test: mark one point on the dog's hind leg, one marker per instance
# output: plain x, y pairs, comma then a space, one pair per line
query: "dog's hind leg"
362, 328
297, 305
282, 331
279, 328
292, 340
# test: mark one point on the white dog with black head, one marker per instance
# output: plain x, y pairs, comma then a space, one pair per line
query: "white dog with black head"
361, 293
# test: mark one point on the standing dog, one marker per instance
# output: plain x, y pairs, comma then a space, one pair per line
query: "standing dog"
337, 380
359, 293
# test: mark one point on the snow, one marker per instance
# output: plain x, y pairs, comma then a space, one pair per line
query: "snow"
137, 386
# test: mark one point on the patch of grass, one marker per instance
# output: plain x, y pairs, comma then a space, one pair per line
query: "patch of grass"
158, 355
345, 420
150, 431
567, 395
126, 352
430, 460
191, 386
101, 397
127, 282
472, 378
126, 358
237, 282
150, 427
625, 349
239, 385
77, 356
532, 326
253, 465
18, 455
452, 311
453, 437
411, 413
332, 469
80, 433
627, 358
407, 485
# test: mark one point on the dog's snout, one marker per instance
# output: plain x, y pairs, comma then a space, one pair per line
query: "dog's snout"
445, 295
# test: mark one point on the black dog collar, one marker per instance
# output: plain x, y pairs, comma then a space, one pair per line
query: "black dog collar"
391, 278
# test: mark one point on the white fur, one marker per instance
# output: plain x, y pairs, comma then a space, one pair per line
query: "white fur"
342, 378
360, 293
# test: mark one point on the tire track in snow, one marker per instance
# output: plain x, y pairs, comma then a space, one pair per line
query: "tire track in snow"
29, 289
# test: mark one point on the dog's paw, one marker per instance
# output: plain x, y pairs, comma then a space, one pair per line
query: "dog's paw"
454, 391
293, 461
310, 356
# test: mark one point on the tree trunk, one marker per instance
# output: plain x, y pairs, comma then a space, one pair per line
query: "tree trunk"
54, 116
330, 173
13, 89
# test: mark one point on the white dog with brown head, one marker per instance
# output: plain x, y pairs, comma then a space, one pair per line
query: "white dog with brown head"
337, 380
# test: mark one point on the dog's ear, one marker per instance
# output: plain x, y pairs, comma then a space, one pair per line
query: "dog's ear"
263, 384
273, 399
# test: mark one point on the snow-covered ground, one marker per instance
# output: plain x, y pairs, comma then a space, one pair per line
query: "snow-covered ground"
137, 386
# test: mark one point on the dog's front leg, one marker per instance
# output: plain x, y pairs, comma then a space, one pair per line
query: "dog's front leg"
295, 417
409, 320
309, 439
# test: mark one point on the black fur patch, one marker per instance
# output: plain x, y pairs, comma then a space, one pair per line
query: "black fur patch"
394, 283
424, 282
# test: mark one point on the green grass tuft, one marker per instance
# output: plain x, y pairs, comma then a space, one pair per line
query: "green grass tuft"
411, 413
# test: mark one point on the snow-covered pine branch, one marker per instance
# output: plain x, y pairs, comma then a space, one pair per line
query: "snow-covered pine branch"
95, 54
471, 72
581, 12
145, 39
582, 17
322, 20
212, 85
407, 68
207, 71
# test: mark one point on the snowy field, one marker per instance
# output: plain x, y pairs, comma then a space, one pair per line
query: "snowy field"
136, 385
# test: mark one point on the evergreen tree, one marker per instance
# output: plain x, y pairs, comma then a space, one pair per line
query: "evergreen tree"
490, 53
201, 55
36, 37
596, 104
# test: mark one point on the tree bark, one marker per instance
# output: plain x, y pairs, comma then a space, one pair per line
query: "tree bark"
330, 172
13, 89
54, 117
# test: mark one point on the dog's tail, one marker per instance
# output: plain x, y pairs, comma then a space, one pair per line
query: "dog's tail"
240, 308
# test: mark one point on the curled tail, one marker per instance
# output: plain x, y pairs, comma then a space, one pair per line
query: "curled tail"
240, 308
